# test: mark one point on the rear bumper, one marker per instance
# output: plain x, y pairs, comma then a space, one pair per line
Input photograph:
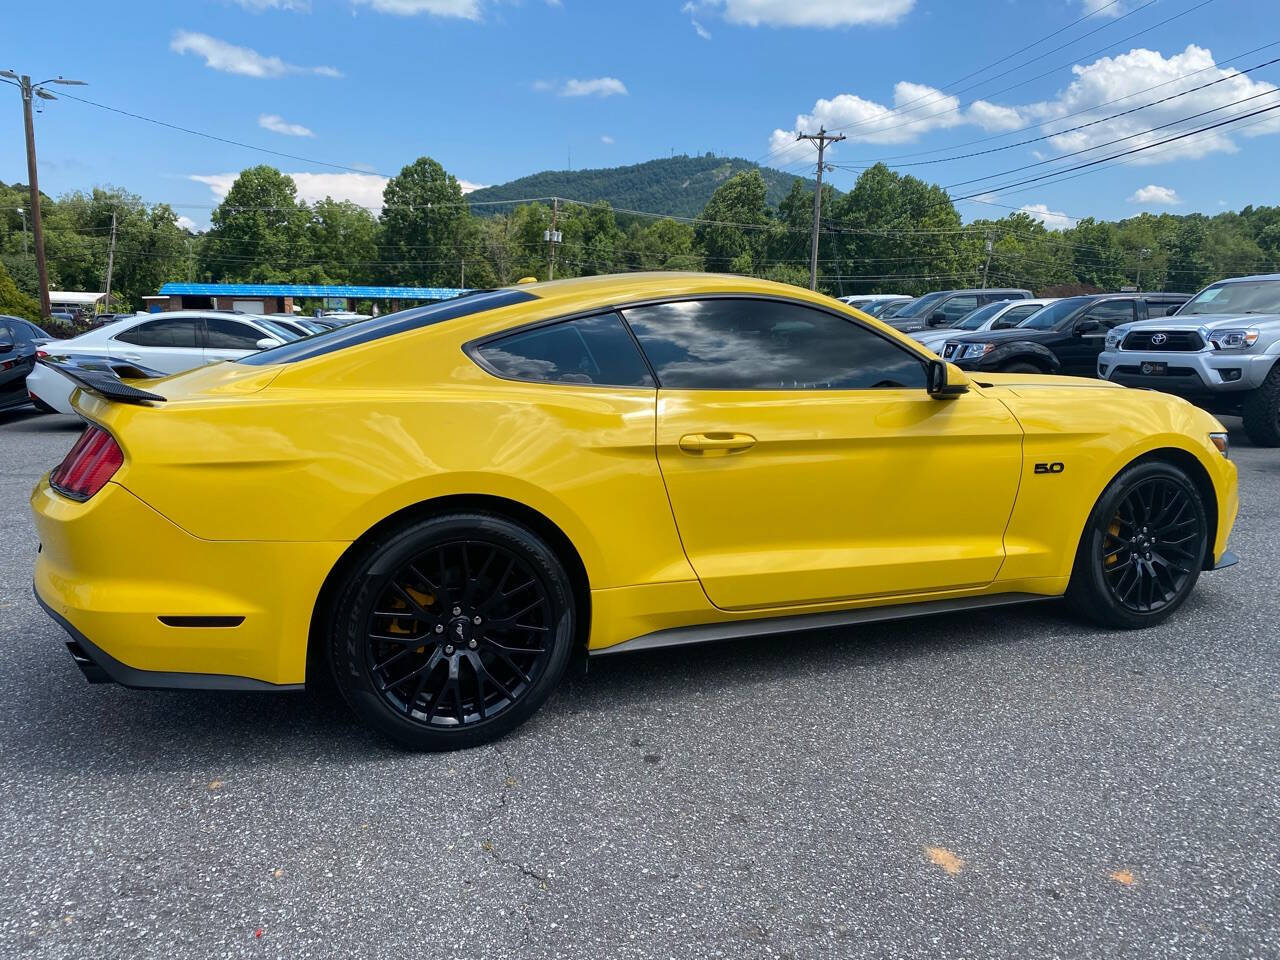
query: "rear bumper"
148, 605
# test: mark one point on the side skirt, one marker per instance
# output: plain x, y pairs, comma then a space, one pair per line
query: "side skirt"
739, 629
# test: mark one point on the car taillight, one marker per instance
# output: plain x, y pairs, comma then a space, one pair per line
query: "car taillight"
91, 463
40, 354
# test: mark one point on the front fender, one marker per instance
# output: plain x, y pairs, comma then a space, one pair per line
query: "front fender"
1020, 351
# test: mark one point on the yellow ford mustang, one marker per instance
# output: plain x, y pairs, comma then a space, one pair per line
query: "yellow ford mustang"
449, 503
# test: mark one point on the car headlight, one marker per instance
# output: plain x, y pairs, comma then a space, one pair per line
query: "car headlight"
1233, 339
971, 351
1115, 337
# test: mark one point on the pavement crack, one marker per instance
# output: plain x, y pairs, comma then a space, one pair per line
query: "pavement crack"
544, 879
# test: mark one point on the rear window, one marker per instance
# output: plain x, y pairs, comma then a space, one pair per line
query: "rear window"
594, 350
366, 331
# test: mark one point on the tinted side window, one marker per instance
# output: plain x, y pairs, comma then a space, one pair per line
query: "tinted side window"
957, 307
162, 333
1161, 308
1015, 315
1111, 312
766, 345
590, 350
226, 334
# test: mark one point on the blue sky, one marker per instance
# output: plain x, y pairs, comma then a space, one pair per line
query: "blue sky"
495, 89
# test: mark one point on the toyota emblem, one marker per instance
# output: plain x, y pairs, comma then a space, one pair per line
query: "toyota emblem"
1159, 338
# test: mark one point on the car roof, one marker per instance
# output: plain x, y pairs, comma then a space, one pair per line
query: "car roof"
986, 290
1256, 276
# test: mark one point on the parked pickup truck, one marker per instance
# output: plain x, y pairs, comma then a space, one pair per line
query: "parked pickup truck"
1221, 351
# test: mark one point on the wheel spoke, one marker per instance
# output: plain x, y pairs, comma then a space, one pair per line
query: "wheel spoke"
491, 587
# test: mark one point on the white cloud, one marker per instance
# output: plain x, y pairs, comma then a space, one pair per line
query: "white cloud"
606, 139
917, 109
1156, 196
1111, 78
595, 87
243, 61
804, 13
362, 189
700, 30
1053, 219
277, 124
186, 223
1107, 8
461, 9
257, 6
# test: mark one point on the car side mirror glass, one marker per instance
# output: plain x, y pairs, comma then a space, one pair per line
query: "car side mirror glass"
945, 380
266, 343
1087, 325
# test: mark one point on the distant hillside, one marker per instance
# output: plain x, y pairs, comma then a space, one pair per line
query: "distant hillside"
678, 185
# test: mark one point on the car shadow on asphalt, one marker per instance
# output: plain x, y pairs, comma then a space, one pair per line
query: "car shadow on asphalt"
30, 420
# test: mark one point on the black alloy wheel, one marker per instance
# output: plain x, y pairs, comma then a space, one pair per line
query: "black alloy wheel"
1143, 549
454, 631
1153, 544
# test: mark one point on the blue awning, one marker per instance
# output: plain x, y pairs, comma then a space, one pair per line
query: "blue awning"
309, 290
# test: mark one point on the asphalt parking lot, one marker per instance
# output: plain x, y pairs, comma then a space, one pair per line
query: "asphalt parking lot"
1008, 784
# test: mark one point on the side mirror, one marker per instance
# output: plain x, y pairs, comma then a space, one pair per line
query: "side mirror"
946, 380
266, 343
936, 319
1087, 326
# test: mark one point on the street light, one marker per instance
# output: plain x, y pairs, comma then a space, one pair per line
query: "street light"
29, 91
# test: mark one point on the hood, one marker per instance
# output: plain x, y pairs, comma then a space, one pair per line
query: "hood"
1208, 321
1005, 336
1016, 381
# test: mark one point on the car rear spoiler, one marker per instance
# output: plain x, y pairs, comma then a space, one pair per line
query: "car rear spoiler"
105, 385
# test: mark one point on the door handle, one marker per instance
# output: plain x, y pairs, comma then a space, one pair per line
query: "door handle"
716, 444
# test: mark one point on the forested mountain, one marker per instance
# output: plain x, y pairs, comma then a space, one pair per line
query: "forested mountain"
678, 186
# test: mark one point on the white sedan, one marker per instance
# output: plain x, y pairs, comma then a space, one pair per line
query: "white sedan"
167, 342
1001, 315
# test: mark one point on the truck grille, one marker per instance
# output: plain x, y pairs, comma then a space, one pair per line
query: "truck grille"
1181, 341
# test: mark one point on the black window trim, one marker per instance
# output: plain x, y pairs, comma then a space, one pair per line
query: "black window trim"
201, 338
471, 347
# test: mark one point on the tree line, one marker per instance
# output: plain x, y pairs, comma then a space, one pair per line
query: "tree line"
889, 234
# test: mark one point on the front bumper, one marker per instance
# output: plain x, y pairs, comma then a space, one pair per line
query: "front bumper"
149, 605
1192, 375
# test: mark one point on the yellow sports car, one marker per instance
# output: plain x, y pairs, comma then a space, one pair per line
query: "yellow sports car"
447, 505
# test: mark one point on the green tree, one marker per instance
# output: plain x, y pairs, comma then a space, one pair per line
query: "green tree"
731, 231
426, 226
259, 232
14, 302
343, 237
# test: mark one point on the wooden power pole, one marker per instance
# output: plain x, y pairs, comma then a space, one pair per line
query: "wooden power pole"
37, 228
552, 237
111, 262
821, 138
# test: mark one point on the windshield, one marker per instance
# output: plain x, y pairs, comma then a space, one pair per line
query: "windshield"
972, 321
917, 307
1241, 297
1054, 313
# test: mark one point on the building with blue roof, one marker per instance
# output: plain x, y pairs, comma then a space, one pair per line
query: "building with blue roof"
279, 297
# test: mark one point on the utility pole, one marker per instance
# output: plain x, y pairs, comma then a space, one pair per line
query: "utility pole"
986, 268
30, 90
462, 282
552, 237
1142, 255
821, 138
111, 261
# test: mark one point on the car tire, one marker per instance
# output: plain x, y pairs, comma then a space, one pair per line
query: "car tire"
1020, 367
1262, 411
451, 631
1142, 548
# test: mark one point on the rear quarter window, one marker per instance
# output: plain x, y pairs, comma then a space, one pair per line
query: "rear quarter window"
590, 350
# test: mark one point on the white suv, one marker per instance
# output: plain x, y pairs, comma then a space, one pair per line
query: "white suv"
167, 342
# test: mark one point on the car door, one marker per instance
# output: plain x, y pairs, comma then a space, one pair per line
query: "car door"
1079, 352
230, 339
805, 461
168, 344
16, 353
952, 309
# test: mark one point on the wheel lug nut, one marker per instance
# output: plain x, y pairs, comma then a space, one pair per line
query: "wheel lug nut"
439, 628
476, 621
448, 650
456, 611
472, 644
